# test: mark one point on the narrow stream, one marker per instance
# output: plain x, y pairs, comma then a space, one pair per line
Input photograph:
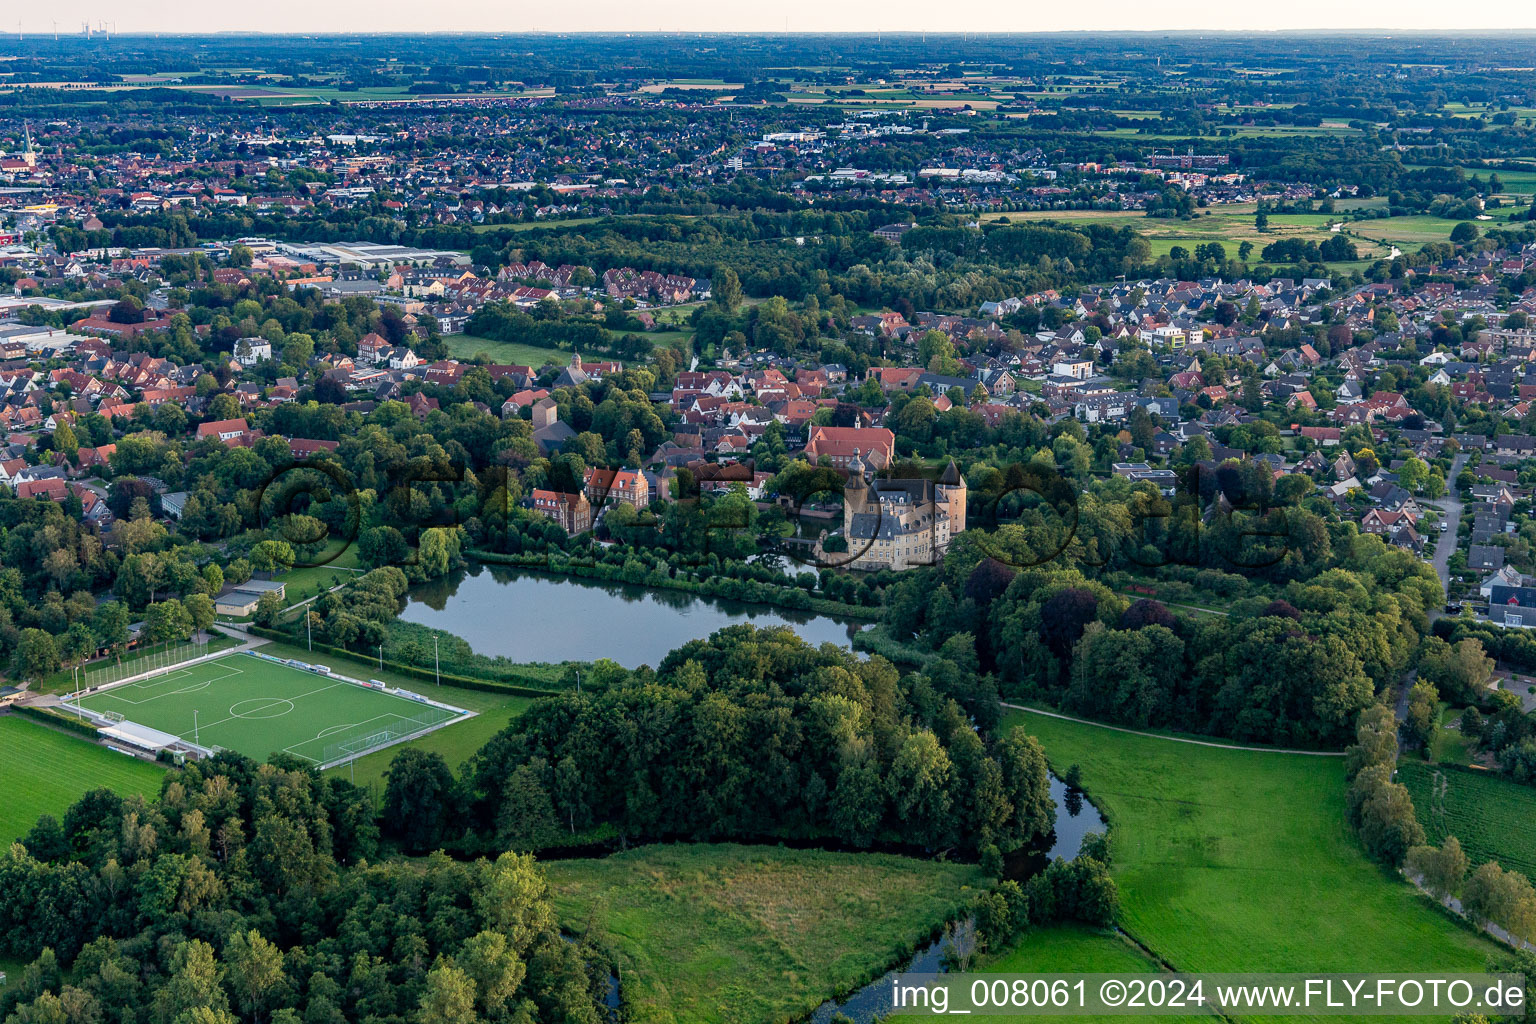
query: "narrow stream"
1075, 818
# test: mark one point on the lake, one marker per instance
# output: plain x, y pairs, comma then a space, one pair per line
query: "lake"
529, 616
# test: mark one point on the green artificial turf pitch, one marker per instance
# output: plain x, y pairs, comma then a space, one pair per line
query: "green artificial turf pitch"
259, 707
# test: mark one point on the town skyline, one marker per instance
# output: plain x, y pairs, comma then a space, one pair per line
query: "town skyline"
156, 17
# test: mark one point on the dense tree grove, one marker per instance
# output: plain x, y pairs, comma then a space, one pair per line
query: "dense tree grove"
1075, 890
247, 893
1293, 671
755, 734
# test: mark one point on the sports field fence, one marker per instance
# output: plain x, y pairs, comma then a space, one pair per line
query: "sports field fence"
154, 661
356, 746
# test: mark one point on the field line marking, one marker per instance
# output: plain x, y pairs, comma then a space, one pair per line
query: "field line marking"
1172, 739
139, 684
299, 697
323, 733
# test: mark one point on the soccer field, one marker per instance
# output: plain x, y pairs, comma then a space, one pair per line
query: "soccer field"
258, 707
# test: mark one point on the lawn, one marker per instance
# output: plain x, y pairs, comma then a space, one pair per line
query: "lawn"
1241, 861
1450, 746
746, 934
1494, 818
256, 707
467, 346
46, 770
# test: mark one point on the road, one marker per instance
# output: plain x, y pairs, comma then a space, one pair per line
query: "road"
1444, 546
1447, 541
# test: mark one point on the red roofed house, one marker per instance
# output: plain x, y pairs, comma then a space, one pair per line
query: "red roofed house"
234, 433
875, 446
612, 485
303, 447
572, 511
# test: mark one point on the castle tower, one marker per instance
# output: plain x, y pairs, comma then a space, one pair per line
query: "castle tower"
853, 492
952, 494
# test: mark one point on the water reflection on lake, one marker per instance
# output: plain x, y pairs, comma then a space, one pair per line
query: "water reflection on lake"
529, 616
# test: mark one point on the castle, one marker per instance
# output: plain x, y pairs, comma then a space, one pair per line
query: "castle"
897, 524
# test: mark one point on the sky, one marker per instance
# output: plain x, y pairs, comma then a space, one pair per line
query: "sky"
306, 16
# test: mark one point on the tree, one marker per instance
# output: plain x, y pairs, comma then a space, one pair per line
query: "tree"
1388, 827
919, 787
1441, 869
449, 997
725, 288
268, 607
196, 983
417, 794
382, 545
199, 608
1459, 672
65, 443
1423, 710
255, 970
936, 352
271, 556
513, 897
1502, 897
497, 971
167, 621
36, 656
1465, 233
858, 801
127, 310
526, 821
1412, 473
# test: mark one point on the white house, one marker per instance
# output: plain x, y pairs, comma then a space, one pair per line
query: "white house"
250, 351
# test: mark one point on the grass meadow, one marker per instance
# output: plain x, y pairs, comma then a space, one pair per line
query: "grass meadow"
725, 933
1233, 860
467, 346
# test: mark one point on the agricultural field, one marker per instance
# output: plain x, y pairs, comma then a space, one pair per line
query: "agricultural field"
748, 934
257, 707
1227, 859
1494, 818
46, 770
